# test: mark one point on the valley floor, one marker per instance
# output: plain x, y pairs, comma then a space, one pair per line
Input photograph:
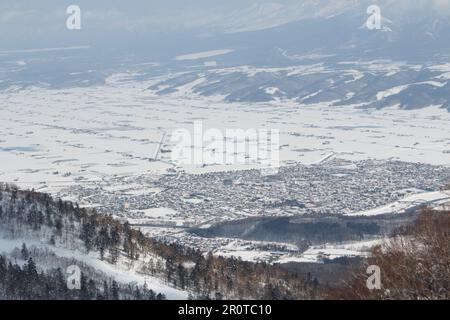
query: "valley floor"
95, 146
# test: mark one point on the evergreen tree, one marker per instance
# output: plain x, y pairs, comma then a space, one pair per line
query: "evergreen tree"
24, 252
105, 290
30, 268
114, 290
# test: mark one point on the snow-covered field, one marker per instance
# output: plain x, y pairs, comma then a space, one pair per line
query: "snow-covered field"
52, 138
408, 203
254, 251
155, 216
332, 251
204, 54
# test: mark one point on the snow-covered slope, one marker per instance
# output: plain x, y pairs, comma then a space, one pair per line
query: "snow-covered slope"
68, 249
40, 233
62, 257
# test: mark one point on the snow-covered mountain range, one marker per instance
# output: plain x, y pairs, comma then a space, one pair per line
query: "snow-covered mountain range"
307, 52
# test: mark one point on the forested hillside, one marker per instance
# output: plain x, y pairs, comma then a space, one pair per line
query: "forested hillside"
25, 282
414, 264
51, 226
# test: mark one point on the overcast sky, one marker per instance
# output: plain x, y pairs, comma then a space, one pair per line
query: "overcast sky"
30, 23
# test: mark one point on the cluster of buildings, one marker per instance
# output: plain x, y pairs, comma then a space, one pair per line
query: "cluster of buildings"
335, 187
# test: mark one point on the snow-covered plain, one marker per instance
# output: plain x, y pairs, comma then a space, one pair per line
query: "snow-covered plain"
254, 251
332, 251
408, 203
203, 55
52, 138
